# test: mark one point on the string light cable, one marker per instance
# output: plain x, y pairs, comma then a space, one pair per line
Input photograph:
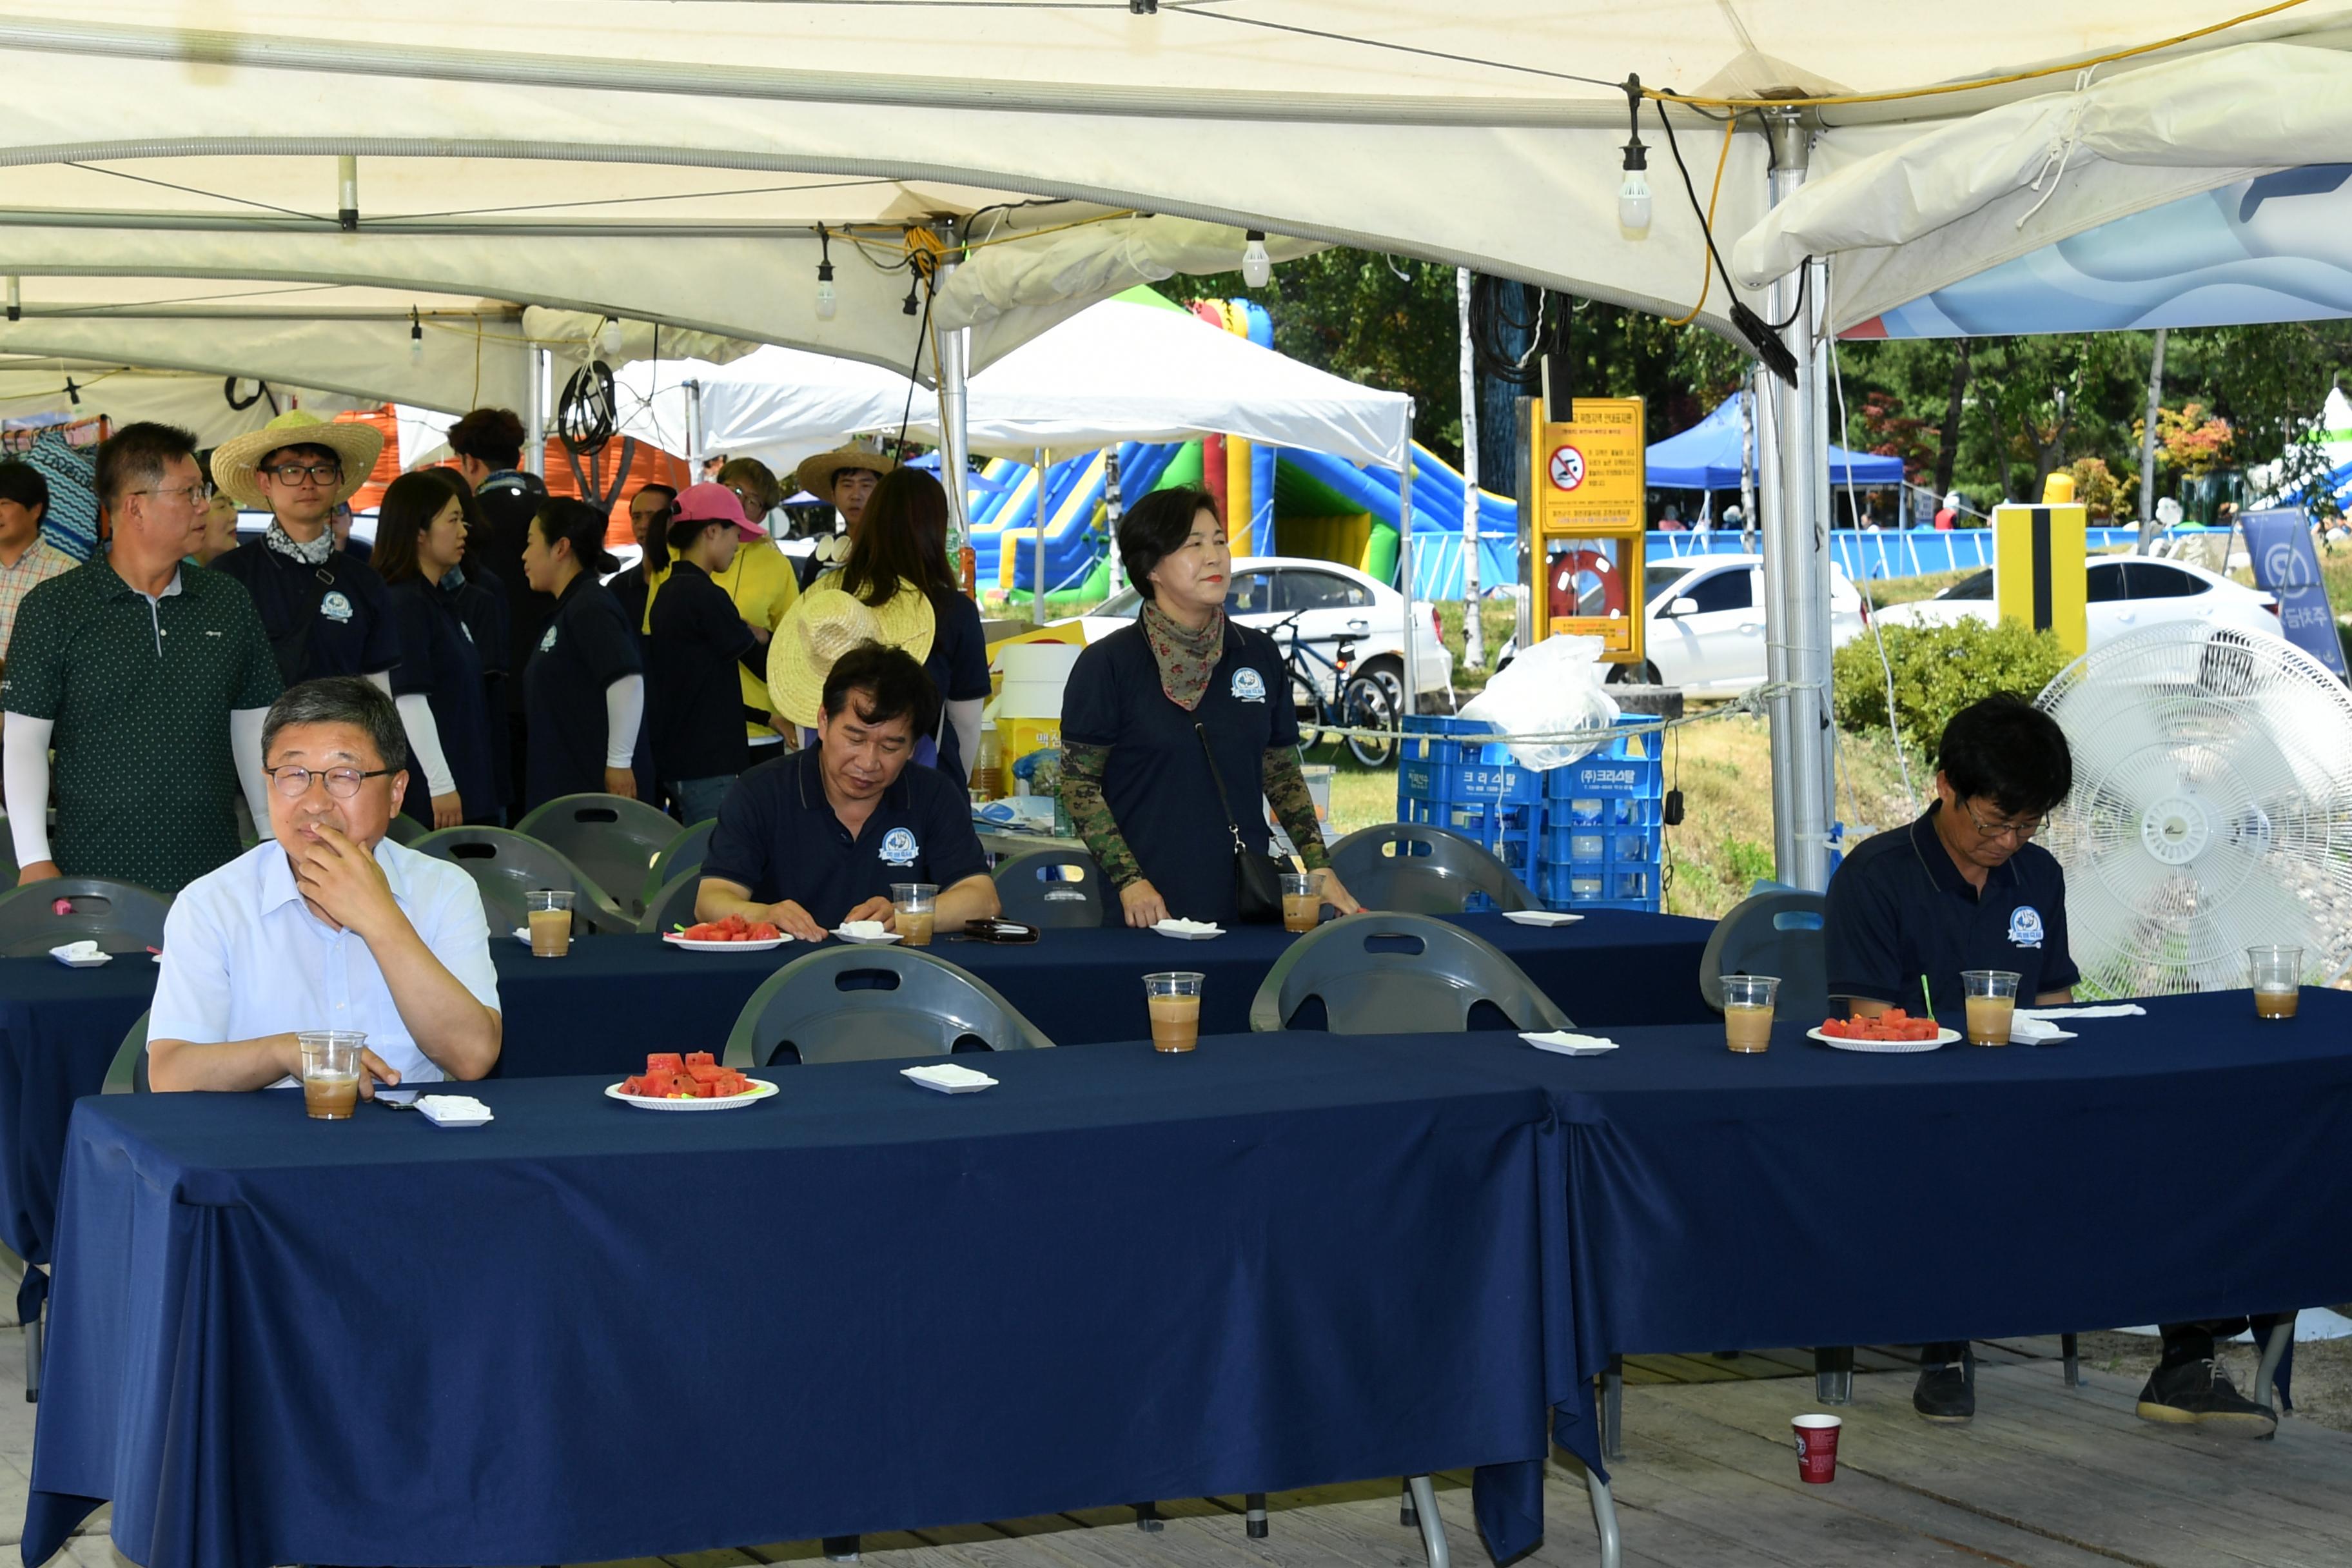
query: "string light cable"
1761, 335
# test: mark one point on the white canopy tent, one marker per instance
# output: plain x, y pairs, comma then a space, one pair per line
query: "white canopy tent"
776, 404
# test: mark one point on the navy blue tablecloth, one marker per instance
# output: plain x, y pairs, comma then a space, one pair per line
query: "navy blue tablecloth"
615, 998
589, 1331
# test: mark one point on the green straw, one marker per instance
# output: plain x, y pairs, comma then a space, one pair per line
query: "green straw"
1930, 999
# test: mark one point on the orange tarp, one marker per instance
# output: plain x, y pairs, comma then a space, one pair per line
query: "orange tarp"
649, 464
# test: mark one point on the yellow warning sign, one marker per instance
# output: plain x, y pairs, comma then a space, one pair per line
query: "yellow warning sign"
1591, 470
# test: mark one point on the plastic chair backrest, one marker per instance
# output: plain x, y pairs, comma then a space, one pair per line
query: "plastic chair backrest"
686, 852
1416, 869
860, 1003
119, 916
1051, 887
505, 864
127, 1073
613, 838
673, 905
1381, 972
406, 829
1772, 933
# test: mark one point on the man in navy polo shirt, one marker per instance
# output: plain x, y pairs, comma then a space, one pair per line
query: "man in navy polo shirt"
814, 839
1965, 887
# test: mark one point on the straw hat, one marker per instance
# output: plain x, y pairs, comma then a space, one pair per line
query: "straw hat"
815, 474
822, 625
235, 460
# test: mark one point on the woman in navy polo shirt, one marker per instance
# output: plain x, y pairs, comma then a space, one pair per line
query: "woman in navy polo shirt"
901, 541
1138, 705
420, 536
585, 688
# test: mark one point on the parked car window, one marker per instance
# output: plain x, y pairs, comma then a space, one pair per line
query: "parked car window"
2106, 583
1252, 594
1656, 580
1977, 587
2154, 580
1728, 590
1318, 591
1125, 604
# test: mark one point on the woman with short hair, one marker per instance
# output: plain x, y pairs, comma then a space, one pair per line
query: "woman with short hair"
585, 688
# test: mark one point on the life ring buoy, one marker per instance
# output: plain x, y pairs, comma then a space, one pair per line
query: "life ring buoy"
1573, 572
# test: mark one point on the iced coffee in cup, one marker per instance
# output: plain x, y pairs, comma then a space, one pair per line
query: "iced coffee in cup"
331, 1073
548, 912
1747, 1011
1174, 1000
1302, 906
1991, 1000
2276, 975
914, 908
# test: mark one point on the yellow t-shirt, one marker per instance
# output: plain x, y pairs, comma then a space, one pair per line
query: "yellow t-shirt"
761, 583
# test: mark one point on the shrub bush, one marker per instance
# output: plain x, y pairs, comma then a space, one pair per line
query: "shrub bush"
1938, 670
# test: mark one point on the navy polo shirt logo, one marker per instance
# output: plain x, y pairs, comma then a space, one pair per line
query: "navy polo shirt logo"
1249, 686
2025, 926
898, 847
335, 608
547, 643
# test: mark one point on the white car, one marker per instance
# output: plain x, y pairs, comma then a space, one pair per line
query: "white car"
1703, 625
1333, 603
2126, 593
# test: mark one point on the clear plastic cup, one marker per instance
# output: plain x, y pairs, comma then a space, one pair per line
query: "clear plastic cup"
2276, 975
1747, 1002
331, 1073
1302, 906
1174, 1000
548, 912
1990, 997
914, 909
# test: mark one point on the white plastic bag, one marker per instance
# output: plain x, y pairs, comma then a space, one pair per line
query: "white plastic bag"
1551, 689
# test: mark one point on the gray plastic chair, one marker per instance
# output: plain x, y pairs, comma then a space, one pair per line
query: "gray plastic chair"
685, 852
673, 905
128, 1075
120, 916
406, 829
507, 864
1416, 869
1061, 888
613, 838
1777, 932
866, 1003
1371, 984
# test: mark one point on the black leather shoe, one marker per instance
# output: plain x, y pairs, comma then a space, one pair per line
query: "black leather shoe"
2200, 1394
1944, 1395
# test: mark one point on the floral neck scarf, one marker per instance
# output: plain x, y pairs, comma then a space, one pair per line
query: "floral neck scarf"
1185, 658
314, 553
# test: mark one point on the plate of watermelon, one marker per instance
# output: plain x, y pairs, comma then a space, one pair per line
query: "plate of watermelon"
1891, 1032
689, 1082
732, 935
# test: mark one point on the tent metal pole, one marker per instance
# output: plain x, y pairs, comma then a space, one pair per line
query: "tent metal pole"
534, 442
1405, 565
695, 434
1473, 635
954, 351
2147, 446
1037, 582
1796, 564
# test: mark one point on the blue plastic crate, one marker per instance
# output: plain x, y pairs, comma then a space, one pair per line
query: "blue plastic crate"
1441, 763
1601, 884
1628, 769
1575, 843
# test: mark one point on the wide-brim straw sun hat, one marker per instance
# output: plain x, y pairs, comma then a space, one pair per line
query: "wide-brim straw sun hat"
822, 625
235, 460
815, 474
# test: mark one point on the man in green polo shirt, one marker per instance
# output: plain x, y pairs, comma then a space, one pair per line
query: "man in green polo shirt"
148, 679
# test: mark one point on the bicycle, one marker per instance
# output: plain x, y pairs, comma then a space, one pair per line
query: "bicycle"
1357, 701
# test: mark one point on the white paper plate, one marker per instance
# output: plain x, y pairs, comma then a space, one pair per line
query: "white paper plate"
760, 1090
100, 962
763, 945
1539, 918
1164, 930
884, 939
1886, 1047
921, 1076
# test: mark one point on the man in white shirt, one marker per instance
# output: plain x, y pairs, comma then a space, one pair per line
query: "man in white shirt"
331, 926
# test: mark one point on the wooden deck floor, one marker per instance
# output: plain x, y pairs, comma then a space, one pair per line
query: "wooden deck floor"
2047, 1477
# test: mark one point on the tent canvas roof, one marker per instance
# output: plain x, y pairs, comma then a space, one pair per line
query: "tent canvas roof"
1706, 456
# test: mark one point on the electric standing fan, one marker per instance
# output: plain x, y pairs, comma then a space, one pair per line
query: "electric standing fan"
2211, 810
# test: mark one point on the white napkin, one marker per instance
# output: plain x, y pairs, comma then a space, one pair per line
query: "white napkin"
76, 952
1188, 927
2025, 1029
862, 928
522, 933
2105, 1010
1541, 917
453, 1108
947, 1075
1563, 1043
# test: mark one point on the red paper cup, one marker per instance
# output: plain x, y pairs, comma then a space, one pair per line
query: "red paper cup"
1817, 1438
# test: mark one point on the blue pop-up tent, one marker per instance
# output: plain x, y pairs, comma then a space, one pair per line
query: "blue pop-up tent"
1707, 457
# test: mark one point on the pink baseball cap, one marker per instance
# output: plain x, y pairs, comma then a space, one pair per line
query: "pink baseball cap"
715, 503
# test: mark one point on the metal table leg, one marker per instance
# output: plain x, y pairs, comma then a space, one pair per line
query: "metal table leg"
2071, 1351
1613, 1409
1604, 1518
1433, 1529
1254, 1516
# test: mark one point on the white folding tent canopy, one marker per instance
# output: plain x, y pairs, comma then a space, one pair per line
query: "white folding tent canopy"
776, 404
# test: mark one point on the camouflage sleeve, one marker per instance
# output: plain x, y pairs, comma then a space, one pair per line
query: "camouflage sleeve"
1082, 776
1294, 807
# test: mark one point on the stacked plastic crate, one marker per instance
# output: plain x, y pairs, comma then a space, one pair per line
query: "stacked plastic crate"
1581, 837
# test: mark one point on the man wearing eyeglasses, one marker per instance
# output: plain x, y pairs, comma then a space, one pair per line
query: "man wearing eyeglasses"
1965, 887
148, 679
326, 611
332, 926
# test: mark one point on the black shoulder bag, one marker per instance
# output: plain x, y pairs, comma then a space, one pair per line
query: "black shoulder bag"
1257, 879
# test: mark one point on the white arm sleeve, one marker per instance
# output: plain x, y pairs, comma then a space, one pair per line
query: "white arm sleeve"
965, 717
625, 710
25, 782
381, 681
425, 740
245, 745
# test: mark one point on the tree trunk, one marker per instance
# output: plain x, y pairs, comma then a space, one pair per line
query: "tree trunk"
1498, 451
1948, 451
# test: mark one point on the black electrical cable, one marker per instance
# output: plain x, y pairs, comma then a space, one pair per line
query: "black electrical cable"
926, 275
1490, 315
585, 415
1761, 335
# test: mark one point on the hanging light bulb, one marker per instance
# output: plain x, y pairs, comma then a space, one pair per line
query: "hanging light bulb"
16, 297
608, 337
415, 336
827, 302
1257, 266
1633, 190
